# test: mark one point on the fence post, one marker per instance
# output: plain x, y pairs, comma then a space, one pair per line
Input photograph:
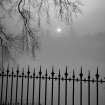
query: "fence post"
28, 73
17, 72
22, 88
33, 87
40, 73
89, 88
6, 85
52, 73
81, 75
46, 87
2, 85
73, 87
11, 87
59, 75
2, 54
66, 74
97, 77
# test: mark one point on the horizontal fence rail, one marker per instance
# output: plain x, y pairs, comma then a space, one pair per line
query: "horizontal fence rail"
10, 76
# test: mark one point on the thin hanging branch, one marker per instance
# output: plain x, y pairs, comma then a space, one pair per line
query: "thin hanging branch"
30, 39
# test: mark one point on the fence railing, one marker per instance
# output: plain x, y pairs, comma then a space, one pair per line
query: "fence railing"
10, 75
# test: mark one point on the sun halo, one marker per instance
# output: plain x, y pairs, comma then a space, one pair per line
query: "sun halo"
59, 30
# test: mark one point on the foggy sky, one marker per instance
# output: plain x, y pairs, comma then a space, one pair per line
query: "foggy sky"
83, 42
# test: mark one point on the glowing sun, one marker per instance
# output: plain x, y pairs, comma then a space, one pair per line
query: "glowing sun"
59, 30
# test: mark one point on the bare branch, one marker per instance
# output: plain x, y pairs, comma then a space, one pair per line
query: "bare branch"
28, 40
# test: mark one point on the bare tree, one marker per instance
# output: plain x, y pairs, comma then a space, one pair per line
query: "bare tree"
33, 10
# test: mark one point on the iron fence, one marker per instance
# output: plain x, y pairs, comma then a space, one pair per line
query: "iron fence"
9, 75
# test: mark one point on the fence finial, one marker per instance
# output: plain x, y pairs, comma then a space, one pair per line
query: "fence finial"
88, 75
73, 74
66, 73
23, 72
8, 68
81, 69
34, 72
59, 75
46, 73
52, 73
97, 74
40, 72
81, 73
17, 69
28, 72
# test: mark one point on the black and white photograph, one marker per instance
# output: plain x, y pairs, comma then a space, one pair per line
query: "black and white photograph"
52, 52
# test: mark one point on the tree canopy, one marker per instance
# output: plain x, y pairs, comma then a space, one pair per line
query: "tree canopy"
30, 13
